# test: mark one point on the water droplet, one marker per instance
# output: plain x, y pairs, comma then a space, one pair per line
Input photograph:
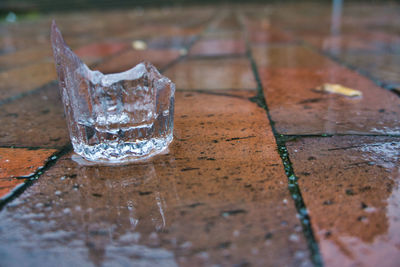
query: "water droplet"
294, 238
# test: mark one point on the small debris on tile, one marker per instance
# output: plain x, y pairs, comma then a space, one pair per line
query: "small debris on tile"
139, 45
338, 89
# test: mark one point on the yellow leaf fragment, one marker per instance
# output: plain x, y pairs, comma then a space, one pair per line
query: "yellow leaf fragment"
338, 89
139, 45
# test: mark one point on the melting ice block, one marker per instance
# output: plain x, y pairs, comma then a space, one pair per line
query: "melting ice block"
115, 117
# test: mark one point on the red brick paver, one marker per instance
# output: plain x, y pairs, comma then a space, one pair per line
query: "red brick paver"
231, 73
351, 187
289, 56
24, 79
8, 185
129, 59
218, 47
298, 109
92, 53
19, 162
25, 57
218, 197
35, 121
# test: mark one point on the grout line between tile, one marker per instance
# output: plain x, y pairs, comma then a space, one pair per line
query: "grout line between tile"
293, 186
29, 147
30, 179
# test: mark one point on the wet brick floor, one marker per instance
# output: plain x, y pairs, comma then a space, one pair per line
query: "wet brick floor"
263, 170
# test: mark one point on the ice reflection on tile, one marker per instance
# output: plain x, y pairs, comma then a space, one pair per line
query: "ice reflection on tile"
209, 201
109, 209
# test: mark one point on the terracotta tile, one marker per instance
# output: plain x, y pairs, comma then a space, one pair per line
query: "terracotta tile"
35, 120
288, 56
350, 186
129, 59
96, 51
354, 41
19, 162
19, 80
18, 36
7, 186
297, 109
235, 73
150, 31
226, 21
261, 31
382, 66
218, 47
22, 162
236, 34
218, 197
335, 44
269, 36
24, 57
170, 42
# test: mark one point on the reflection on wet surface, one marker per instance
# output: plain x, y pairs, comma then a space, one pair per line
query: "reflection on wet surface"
219, 197
226, 73
291, 91
94, 213
351, 187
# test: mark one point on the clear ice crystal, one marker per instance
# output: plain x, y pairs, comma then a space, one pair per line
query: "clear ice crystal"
115, 117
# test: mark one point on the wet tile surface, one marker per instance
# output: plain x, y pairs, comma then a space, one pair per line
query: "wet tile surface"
22, 162
24, 79
34, 121
19, 162
261, 31
95, 52
220, 195
217, 197
230, 73
296, 108
129, 59
289, 56
172, 42
24, 57
218, 47
350, 186
384, 67
8, 185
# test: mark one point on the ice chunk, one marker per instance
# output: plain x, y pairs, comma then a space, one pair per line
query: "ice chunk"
114, 117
